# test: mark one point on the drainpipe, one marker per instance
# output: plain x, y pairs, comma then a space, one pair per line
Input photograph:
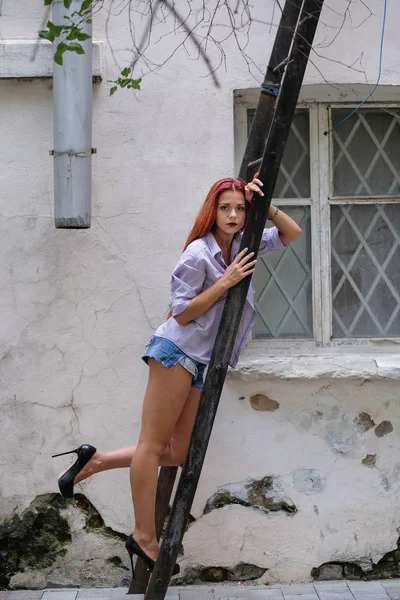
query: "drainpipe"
72, 122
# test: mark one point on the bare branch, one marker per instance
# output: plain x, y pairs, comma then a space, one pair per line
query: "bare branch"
213, 25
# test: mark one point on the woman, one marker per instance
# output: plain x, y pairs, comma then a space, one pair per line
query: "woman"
181, 347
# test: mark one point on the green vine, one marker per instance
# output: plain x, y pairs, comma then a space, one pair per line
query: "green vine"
67, 38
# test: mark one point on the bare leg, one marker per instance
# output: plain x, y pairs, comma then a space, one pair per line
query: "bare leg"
173, 455
103, 461
166, 394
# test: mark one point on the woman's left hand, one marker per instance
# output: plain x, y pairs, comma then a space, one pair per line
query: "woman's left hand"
254, 186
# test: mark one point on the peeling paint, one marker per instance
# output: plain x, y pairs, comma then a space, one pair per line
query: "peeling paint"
364, 422
309, 481
266, 494
218, 574
34, 540
383, 429
48, 546
263, 403
364, 568
341, 435
369, 460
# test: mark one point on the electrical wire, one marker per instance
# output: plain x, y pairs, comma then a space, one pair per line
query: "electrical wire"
378, 80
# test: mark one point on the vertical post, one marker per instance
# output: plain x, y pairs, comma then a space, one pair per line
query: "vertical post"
271, 86
221, 354
166, 481
72, 122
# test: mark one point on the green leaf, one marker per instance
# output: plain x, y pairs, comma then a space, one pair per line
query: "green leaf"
58, 56
85, 6
67, 3
45, 34
48, 2
124, 83
125, 72
55, 29
113, 90
136, 83
75, 47
72, 35
78, 35
82, 37
89, 21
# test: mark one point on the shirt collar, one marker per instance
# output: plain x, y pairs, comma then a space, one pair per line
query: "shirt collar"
213, 246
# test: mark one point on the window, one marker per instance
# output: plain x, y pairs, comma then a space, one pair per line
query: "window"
340, 281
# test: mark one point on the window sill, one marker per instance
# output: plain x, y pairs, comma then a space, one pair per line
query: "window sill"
263, 361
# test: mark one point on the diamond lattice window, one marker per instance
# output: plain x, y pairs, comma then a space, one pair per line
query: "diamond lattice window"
366, 156
366, 237
365, 271
283, 286
282, 280
294, 177
343, 283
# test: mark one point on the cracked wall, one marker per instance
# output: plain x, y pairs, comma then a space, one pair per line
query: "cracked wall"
78, 307
54, 544
325, 448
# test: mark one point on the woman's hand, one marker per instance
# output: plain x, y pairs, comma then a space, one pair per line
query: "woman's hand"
253, 186
238, 269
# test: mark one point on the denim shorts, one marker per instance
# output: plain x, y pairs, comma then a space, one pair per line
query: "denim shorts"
169, 355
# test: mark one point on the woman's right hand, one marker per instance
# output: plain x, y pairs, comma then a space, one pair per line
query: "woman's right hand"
238, 269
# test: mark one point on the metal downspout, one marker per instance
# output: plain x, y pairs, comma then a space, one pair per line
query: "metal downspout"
72, 123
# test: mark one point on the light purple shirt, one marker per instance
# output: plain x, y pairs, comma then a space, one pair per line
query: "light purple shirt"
199, 267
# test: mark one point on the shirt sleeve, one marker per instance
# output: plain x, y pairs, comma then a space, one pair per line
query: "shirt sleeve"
270, 241
186, 282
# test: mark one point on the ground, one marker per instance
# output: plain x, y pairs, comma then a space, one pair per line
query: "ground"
329, 590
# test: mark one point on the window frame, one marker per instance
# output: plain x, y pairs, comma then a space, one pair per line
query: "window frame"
320, 202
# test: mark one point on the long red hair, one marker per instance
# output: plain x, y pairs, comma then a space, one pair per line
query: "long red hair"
207, 215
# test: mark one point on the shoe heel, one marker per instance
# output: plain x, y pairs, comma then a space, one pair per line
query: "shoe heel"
132, 567
64, 453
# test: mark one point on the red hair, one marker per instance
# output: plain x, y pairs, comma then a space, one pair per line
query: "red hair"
205, 220
207, 215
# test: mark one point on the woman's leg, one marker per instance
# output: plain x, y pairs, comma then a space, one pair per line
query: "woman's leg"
165, 398
103, 461
173, 455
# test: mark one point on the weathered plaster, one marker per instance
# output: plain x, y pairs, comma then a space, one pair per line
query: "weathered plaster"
55, 544
30, 59
265, 494
369, 362
262, 402
77, 309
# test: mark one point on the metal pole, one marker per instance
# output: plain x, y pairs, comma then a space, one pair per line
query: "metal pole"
271, 86
72, 117
221, 354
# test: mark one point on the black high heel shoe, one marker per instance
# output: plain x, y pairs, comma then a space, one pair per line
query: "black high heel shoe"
66, 479
133, 548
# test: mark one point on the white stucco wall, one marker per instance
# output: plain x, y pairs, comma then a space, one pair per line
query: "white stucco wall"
77, 308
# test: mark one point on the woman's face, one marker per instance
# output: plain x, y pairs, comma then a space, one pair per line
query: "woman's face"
231, 212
